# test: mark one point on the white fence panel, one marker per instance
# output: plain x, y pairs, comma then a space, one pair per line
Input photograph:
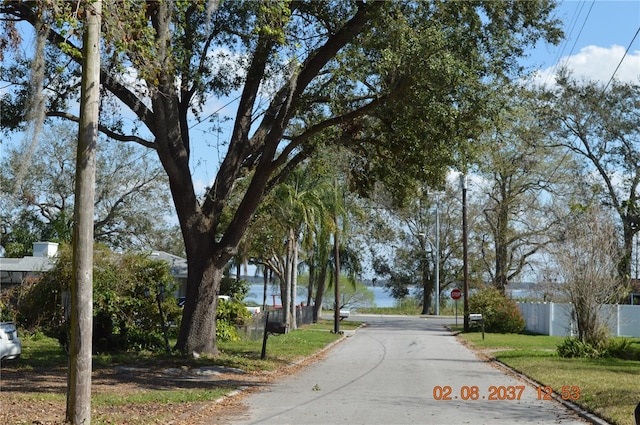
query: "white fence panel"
628, 320
556, 319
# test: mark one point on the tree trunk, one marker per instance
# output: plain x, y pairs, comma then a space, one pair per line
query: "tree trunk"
500, 239
79, 390
198, 326
628, 234
312, 279
321, 285
294, 280
427, 286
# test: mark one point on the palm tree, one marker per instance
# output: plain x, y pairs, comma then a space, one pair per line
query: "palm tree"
292, 210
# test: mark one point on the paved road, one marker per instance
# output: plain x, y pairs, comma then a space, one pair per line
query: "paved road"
386, 374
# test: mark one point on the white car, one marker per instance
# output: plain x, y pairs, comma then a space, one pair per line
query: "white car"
10, 345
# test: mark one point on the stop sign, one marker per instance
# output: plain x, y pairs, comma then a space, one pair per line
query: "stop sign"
456, 294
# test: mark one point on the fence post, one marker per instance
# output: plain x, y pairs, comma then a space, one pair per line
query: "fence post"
264, 338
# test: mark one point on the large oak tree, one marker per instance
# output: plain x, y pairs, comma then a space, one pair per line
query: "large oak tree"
400, 83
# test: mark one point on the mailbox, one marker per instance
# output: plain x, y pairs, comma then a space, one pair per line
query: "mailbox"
276, 328
477, 317
273, 328
474, 317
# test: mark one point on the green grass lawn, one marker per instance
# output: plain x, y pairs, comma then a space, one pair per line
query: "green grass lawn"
608, 387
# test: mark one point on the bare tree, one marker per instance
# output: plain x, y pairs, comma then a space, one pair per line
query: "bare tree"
599, 124
587, 261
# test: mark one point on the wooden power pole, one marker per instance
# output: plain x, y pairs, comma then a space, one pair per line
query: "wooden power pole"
80, 350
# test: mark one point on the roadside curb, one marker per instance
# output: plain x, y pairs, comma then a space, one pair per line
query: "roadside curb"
579, 410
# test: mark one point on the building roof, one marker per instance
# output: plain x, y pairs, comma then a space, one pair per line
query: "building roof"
25, 264
177, 265
14, 270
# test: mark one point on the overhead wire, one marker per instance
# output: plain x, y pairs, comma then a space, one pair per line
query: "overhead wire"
626, 52
572, 26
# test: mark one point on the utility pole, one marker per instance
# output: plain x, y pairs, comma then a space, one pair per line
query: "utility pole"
80, 349
437, 254
336, 254
465, 251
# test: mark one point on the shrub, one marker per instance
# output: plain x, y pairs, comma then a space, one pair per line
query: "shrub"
620, 348
237, 289
500, 314
125, 295
226, 332
230, 314
576, 348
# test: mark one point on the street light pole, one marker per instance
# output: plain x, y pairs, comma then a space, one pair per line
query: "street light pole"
465, 249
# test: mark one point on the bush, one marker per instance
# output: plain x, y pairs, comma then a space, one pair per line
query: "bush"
126, 288
236, 289
229, 315
500, 314
620, 348
576, 348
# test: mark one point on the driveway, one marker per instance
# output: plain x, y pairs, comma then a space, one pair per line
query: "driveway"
400, 370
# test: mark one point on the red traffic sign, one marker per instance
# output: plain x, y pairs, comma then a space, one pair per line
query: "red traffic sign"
456, 294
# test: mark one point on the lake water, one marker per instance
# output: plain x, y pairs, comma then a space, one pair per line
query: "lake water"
256, 293
380, 296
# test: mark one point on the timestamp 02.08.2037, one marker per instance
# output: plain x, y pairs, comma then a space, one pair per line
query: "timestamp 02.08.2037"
500, 392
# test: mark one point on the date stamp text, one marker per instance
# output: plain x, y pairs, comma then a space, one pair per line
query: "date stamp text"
502, 392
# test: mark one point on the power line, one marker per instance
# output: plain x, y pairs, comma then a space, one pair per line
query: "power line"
586, 18
621, 60
214, 112
575, 41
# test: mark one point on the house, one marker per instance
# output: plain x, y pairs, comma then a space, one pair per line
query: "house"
13, 271
177, 268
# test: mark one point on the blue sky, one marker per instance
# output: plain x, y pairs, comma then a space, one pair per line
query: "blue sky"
597, 35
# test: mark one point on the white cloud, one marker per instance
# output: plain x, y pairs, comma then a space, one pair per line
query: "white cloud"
596, 63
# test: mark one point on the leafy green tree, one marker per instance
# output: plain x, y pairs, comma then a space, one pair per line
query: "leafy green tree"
404, 246
352, 296
499, 313
19, 232
295, 205
301, 69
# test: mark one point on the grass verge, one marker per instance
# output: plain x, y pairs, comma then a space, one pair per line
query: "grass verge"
36, 383
608, 387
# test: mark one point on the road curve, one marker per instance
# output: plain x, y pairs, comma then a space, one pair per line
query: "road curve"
398, 370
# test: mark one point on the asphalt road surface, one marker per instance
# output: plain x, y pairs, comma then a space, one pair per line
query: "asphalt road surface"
398, 370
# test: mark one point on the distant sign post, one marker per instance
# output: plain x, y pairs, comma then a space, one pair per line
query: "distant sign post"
456, 294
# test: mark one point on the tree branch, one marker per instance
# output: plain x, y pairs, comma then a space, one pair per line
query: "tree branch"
106, 131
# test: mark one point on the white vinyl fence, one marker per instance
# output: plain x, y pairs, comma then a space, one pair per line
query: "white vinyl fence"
556, 319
